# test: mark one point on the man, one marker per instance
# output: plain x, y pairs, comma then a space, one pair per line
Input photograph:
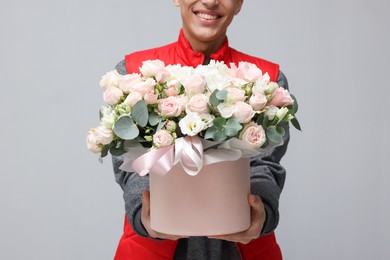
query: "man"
203, 37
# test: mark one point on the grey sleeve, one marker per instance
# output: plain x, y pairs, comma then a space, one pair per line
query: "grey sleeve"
268, 176
131, 183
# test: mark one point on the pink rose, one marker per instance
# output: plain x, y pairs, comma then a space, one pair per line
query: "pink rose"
171, 91
258, 102
243, 112
198, 104
169, 107
150, 67
132, 99
112, 95
144, 87
150, 98
235, 95
253, 135
162, 75
162, 138
128, 81
281, 98
194, 85
246, 71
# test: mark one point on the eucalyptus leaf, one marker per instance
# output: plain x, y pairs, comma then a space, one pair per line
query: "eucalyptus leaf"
232, 127
214, 134
154, 119
273, 135
161, 125
265, 122
280, 130
140, 113
125, 128
219, 123
214, 101
221, 95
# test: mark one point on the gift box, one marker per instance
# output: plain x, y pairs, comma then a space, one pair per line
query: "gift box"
213, 202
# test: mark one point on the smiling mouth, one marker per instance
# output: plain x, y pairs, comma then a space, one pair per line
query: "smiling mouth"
207, 16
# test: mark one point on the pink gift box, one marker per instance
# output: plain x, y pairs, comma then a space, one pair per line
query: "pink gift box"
214, 202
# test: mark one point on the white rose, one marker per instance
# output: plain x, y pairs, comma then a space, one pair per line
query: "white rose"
235, 95
226, 110
132, 99
103, 135
243, 112
110, 79
144, 87
127, 82
112, 95
191, 124
92, 143
151, 67
271, 112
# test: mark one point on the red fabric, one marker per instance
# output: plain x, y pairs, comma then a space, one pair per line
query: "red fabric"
132, 246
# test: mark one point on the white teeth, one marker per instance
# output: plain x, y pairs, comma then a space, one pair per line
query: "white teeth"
207, 16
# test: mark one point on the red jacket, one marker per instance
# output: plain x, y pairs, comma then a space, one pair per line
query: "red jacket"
133, 246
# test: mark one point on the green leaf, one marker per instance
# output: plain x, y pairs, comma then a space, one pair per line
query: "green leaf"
296, 124
105, 150
273, 135
265, 122
294, 107
214, 134
232, 127
161, 125
125, 128
117, 151
280, 130
140, 113
221, 95
214, 101
154, 119
219, 123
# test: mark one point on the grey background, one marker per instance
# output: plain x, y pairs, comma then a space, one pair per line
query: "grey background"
58, 202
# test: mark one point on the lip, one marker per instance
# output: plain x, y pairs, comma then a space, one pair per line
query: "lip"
207, 13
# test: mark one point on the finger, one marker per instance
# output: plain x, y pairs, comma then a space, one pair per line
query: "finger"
145, 204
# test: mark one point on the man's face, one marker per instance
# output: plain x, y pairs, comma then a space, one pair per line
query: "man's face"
207, 20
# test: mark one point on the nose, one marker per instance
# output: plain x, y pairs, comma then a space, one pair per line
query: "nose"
210, 3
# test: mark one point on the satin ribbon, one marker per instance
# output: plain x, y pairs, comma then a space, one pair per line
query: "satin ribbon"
191, 152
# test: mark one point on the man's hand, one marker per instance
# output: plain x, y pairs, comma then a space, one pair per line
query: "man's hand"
145, 219
257, 221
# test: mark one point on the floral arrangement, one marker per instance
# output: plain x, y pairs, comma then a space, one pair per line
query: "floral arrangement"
213, 102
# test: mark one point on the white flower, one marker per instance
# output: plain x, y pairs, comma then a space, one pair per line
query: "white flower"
103, 135
207, 120
215, 74
271, 112
108, 116
226, 110
281, 113
191, 124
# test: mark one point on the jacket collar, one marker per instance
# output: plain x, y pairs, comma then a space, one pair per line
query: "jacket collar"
192, 58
